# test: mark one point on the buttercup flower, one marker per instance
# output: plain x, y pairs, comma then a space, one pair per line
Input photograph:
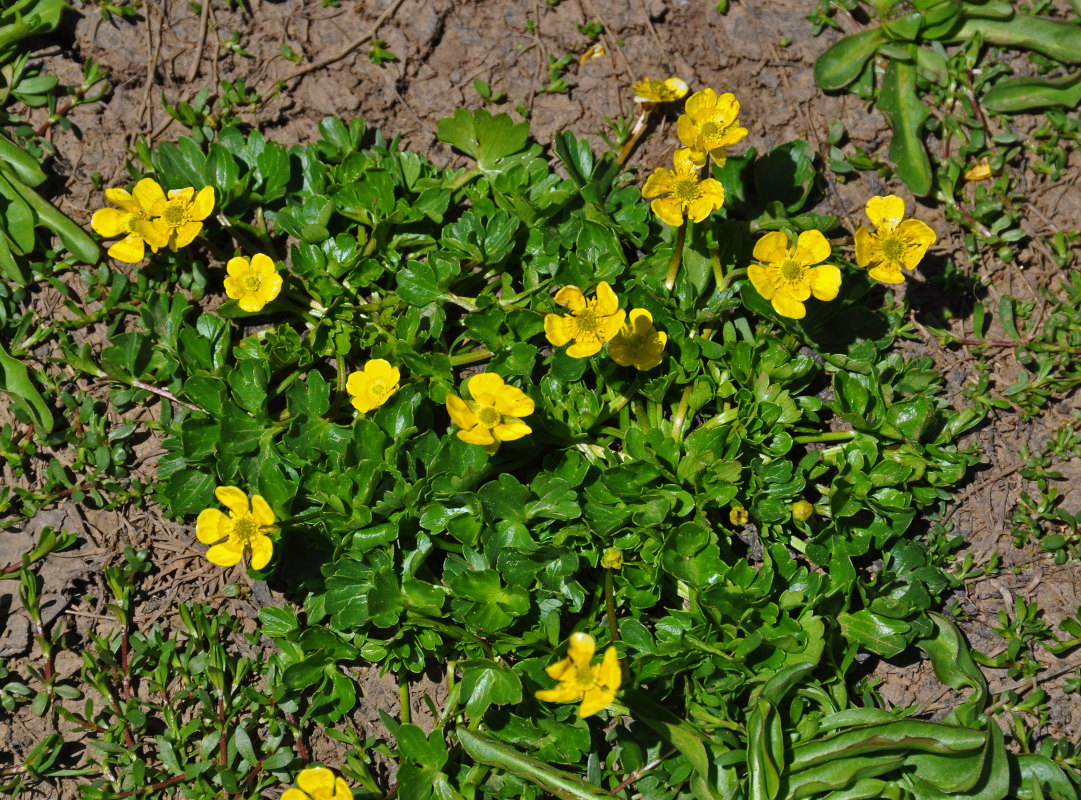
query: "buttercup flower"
590, 324
638, 343
373, 385
493, 415
895, 244
612, 558
786, 277
253, 283
319, 783
595, 686
802, 510
679, 191
113, 222
650, 92
246, 526
738, 515
980, 172
177, 219
711, 123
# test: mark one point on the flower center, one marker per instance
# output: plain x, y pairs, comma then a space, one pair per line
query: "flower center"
587, 319
893, 248
245, 528
379, 388
687, 189
252, 284
791, 270
176, 212
132, 219
488, 416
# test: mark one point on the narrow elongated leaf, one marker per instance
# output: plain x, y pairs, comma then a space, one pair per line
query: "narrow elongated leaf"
907, 113
842, 63
15, 382
1013, 95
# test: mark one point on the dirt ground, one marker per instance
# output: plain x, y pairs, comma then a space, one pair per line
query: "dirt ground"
762, 50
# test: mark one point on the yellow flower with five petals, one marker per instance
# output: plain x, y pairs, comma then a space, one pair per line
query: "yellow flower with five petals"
590, 323
113, 222
319, 783
678, 191
650, 92
252, 283
896, 244
638, 343
594, 685
373, 385
494, 413
247, 525
176, 219
787, 276
710, 123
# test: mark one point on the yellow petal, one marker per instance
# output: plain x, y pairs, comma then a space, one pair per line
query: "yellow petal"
687, 131
980, 172
477, 435
130, 249
669, 209
885, 211
261, 551
110, 222
788, 306
261, 511
486, 387
460, 413
238, 267
560, 669
225, 554
676, 86
700, 208
609, 326
580, 649
771, 247
867, 249
662, 181
607, 302
252, 303
564, 693
184, 195
379, 369
595, 699
917, 237
207, 526
270, 287
584, 348
294, 794
701, 103
264, 265
887, 273
559, 330
727, 107
150, 197
571, 298
513, 402
316, 781
203, 204
234, 289
510, 431
153, 232
812, 248
233, 499
825, 281
713, 190
719, 156
187, 232
764, 279
121, 198
341, 790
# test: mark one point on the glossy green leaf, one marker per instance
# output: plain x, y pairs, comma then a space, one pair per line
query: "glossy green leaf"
842, 62
906, 113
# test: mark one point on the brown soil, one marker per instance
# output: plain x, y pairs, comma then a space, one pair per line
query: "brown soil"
762, 51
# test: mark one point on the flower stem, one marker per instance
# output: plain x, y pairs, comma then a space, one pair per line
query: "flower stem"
680, 417
463, 179
677, 257
731, 276
633, 137
832, 436
610, 604
472, 357
403, 698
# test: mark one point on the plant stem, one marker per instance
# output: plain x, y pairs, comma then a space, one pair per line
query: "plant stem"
403, 698
610, 604
472, 357
463, 179
677, 257
832, 436
680, 417
633, 137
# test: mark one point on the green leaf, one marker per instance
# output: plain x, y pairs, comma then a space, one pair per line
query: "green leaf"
1024, 93
952, 661
486, 138
874, 632
486, 683
15, 382
842, 63
901, 104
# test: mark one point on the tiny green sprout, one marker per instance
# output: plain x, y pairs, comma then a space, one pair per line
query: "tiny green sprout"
722, 7
233, 45
484, 90
378, 53
289, 54
591, 30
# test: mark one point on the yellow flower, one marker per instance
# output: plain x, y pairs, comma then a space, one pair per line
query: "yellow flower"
650, 92
590, 324
253, 283
113, 222
789, 276
373, 386
738, 515
246, 526
493, 415
319, 783
612, 558
177, 219
895, 244
980, 172
711, 123
595, 686
638, 343
596, 51
685, 193
802, 510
